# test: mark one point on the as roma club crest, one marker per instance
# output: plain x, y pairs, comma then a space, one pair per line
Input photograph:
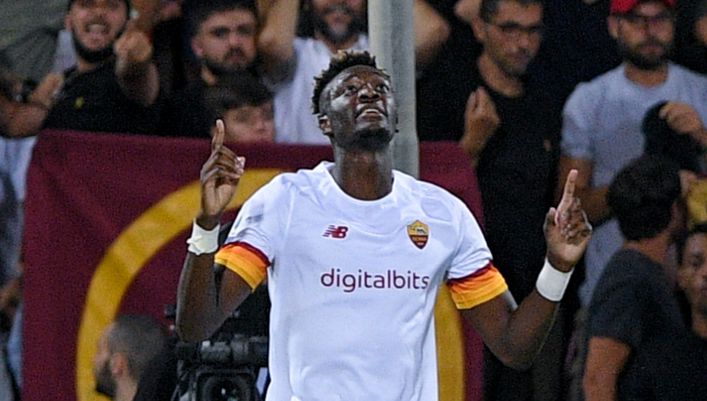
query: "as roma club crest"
419, 233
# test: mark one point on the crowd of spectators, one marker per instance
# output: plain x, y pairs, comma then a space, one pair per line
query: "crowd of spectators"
528, 88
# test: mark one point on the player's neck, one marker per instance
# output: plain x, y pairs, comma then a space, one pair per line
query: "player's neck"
364, 175
645, 77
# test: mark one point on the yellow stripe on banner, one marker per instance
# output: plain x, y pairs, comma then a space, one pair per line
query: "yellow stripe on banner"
129, 253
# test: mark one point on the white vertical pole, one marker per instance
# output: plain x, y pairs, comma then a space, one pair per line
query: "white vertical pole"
390, 27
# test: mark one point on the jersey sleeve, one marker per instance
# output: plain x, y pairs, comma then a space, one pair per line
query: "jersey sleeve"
472, 279
252, 241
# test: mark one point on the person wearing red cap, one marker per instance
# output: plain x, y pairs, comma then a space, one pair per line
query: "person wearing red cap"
626, 6
602, 133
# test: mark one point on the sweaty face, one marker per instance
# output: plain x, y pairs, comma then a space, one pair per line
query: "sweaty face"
225, 41
693, 272
361, 109
338, 20
95, 25
250, 124
512, 38
645, 35
105, 383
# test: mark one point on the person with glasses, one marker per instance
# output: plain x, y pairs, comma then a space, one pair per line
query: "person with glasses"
602, 118
511, 132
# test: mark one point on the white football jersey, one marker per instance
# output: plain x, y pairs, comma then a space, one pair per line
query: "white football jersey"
353, 283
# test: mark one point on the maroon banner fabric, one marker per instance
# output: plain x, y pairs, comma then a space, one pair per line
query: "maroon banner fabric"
87, 190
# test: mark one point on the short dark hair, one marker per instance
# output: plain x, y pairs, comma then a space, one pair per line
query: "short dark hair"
642, 195
139, 337
341, 61
664, 141
235, 91
201, 10
489, 8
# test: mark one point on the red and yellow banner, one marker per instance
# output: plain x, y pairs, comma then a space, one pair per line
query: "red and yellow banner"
107, 218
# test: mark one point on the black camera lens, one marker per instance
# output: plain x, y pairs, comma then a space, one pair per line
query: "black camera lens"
225, 388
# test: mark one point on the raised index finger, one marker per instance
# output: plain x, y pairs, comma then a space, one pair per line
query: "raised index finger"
567, 195
217, 140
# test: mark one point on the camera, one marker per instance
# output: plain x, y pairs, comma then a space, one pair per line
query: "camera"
226, 366
224, 369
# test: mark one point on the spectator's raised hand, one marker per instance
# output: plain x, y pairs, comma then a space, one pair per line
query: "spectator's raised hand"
684, 119
481, 122
132, 47
567, 229
219, 179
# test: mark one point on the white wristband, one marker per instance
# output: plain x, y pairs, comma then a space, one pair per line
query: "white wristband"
203, 241
552, 283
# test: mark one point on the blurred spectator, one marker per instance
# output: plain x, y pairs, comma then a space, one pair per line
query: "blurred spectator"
691, 35
27, 42
114, 86
291, 61
633, 301
602, 119
124, 351
223, 35
684, 150
662, 140
449, 70
511, 135
675, 368
246, 108
159, 19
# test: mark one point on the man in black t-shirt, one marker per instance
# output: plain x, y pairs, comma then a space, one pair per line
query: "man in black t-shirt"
114, 85
633, 303
675, 367
510, 131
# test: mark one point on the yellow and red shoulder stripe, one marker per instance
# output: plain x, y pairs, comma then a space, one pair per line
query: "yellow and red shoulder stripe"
245, 260
475, 289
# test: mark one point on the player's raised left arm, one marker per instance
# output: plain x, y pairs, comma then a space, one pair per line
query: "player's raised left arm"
515, 334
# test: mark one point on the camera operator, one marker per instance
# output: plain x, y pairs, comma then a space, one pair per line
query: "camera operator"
230, 365
124, 351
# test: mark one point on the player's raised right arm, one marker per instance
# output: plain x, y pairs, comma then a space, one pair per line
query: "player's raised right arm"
201, 306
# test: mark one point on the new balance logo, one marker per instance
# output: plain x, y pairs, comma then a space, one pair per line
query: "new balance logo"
335, 231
